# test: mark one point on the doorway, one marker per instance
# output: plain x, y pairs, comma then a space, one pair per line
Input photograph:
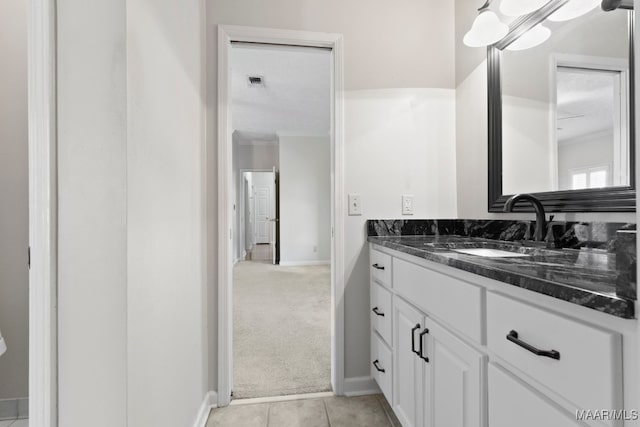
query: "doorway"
280, 98
285, 40
258, 217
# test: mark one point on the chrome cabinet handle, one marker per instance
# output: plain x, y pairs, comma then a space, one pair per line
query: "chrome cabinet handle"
378, 368
513, 337
377, 266
422, 334
375, 310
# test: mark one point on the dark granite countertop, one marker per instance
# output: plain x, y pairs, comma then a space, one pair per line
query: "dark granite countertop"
586, 276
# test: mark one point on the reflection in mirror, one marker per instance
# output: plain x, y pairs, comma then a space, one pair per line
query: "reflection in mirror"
565, 107
591, 142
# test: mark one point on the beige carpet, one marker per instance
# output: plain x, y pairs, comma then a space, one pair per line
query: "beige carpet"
281, 330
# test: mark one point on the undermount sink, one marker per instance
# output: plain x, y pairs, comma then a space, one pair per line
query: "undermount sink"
486, 248
490, 253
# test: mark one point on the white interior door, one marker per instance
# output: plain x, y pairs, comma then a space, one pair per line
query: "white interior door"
262, 224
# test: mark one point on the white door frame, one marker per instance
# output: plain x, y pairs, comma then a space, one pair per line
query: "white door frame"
227, 34
43, 387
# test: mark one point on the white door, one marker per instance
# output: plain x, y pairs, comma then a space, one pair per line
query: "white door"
408, 366
453, 382
262, 224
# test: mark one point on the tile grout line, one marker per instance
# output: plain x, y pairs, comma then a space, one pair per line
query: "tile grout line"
326, 411
269, 405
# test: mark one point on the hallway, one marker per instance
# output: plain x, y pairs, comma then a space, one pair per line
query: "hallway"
281, 329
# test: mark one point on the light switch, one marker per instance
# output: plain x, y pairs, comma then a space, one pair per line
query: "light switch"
355, 208
407, 204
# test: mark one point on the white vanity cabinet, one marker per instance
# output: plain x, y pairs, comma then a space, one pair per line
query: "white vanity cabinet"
458, 352
454, 381
408, 364
381, 315
513, 403
437, 377
582, 363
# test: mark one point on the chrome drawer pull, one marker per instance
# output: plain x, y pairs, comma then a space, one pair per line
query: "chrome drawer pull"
378, 368
513, 337
375, 310
379, 267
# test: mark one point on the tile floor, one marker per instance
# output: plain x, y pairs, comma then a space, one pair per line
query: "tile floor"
365, 411
14, 423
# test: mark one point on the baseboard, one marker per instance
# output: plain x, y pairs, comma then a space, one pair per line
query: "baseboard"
209, 402
11, 409
360, 386
303, 263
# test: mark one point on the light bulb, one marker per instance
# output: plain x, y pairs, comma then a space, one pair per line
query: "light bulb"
486, 30
520, 7
574, 9
534, 37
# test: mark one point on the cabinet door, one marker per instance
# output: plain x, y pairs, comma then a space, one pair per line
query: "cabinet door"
454, 375
513, 403
408, 367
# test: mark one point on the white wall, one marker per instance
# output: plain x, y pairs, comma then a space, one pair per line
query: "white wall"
471, 132
393, 54
398, 141
92, 249
166, 296
528, 73
528, 155
14, 209
257, 156
132, 338
305, 199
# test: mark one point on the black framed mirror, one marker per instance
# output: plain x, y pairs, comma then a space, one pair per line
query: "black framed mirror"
561, 114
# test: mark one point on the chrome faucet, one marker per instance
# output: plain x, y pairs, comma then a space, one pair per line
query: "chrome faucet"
541, 221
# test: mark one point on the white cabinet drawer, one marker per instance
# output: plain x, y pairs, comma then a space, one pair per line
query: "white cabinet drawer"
382, 366
588, 372
513, 403
381, 313
457, 303
380, 267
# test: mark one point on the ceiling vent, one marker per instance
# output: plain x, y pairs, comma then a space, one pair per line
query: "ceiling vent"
255, 80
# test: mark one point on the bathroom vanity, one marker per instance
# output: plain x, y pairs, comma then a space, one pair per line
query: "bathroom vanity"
469, 331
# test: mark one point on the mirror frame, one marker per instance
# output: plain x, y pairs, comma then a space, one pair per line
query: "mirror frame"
611, 199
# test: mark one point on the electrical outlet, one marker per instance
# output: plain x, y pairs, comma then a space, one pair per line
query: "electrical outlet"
355, 208
407, 204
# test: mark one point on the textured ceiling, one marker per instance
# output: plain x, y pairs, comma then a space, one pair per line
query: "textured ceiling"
295, 96
585, 103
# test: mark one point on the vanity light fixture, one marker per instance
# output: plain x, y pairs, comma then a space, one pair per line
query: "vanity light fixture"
520, 7
574, 9
532, 38
486, 29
